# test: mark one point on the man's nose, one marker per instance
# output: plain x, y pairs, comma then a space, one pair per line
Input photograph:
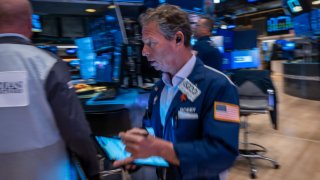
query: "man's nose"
145, 51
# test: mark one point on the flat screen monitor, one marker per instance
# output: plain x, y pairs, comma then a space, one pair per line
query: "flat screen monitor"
238, 59
36, 23
228, 38
296, 7
279, 25
302, 25
108, 69
288, 46
49, 26
72, 27
245, 39
315, 22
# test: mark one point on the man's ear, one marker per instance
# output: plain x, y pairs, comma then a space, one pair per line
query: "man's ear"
179, 37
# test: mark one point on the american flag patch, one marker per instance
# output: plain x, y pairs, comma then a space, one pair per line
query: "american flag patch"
226, 112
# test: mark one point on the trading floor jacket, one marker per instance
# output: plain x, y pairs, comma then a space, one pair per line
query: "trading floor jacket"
208, 53
41, 116
204, 129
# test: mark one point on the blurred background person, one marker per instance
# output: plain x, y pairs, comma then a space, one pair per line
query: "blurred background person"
41, 117
204, 47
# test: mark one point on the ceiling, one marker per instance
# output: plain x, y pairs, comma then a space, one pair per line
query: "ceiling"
72, 7
77, 7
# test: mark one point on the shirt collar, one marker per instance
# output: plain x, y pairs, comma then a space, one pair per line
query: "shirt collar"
183, 73
14, 34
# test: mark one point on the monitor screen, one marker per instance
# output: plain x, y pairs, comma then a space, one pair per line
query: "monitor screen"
108, 68
241, 59
228, 38
315, 22
288, 46
49, 26
279, 25
72, 27
297, 7
301, 25
250, 37
36, 23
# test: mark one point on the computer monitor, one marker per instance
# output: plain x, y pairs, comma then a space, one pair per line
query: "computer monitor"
297, 7
108, 35
279, 25
109, 67
315, 21
238, 59
36, 23
288, 46
302, 25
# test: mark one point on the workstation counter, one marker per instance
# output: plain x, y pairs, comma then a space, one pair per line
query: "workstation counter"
302, 79
135, 100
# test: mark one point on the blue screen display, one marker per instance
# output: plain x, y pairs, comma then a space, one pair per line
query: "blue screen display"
288, 46
36, 23
301, 25
241, 59
297, 7
115, 150
279, 25
315, 22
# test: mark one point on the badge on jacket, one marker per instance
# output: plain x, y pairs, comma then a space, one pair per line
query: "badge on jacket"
14, 91
189, 89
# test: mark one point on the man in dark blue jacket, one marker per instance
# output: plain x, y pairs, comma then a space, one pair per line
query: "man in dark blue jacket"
193, 110
204, 47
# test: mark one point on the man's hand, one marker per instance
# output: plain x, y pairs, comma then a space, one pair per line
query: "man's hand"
139, 143
142, 145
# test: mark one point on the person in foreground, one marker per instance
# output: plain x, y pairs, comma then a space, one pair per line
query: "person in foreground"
193, 109
204, 47
41, 117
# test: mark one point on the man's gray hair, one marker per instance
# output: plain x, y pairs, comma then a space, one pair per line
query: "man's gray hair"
170, 19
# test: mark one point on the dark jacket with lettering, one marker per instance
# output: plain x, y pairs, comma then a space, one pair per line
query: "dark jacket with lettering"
36, 134
208, 53
205, 146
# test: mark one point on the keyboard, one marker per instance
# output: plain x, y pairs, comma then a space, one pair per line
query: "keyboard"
106, 95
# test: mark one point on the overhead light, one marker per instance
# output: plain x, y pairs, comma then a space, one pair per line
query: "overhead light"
90, 10
111, 6
316, 2
216, 1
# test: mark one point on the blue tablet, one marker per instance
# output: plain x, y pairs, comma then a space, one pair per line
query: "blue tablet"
115, 150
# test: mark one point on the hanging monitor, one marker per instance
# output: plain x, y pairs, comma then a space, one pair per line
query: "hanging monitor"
36, 23
315, 22
296, 7
279, 25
